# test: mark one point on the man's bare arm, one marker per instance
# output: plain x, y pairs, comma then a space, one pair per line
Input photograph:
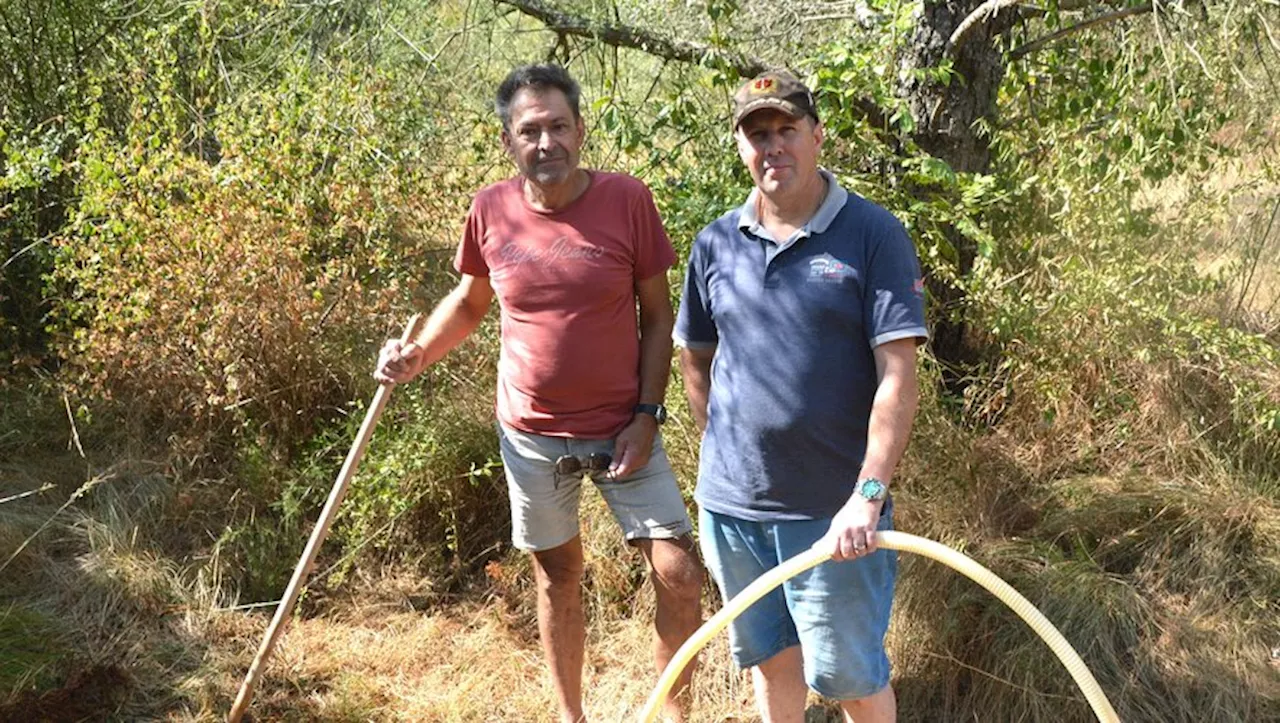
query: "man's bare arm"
695, 368
635, 442
853, 529
656, 322
454, 318
893, 410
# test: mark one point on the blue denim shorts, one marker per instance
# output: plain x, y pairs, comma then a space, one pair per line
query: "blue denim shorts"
544, 504
837, 612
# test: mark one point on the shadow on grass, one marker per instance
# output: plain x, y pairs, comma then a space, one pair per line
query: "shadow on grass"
89, 694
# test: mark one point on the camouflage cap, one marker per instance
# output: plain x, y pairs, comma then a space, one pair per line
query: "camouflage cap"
777, 89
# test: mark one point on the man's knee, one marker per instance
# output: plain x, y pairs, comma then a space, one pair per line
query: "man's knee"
856, 704
677, 569
880, 706
559, 568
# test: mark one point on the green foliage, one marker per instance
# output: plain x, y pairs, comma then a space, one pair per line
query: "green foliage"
237, 287
33, 177
429, 489
433, 485
1096, 283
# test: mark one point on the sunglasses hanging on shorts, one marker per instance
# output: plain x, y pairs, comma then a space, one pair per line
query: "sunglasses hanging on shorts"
573, 463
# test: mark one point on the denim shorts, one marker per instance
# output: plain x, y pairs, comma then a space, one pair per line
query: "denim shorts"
544, 503
837, 612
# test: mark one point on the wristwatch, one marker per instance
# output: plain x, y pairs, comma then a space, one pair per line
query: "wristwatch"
871, 489
657, 411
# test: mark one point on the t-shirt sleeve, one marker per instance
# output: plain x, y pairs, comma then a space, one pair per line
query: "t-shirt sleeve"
695, 326
894, 306
470, 258
654, 253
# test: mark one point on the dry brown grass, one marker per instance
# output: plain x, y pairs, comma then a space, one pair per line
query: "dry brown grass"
474, 660
1233, 211
374, 657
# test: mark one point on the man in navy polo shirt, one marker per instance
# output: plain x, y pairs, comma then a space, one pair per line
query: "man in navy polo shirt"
801, 314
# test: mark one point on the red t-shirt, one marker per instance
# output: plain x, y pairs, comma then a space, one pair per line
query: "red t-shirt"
565, 281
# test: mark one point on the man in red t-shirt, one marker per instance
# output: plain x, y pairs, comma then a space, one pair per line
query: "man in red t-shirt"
570, 253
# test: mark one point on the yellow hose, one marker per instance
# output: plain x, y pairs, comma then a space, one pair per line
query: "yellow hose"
893, 541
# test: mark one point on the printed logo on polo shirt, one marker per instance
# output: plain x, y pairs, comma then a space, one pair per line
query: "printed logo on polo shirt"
827, 269
561, 250
918, 287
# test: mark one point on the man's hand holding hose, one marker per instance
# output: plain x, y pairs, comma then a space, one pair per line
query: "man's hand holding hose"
853, 530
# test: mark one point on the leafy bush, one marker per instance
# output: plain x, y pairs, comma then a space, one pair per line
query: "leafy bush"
219, 295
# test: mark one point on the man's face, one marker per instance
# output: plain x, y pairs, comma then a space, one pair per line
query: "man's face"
544, 139
780, 151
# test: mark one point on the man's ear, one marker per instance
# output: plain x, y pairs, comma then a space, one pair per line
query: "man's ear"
740, 140
506, 140
582, 130
818, 132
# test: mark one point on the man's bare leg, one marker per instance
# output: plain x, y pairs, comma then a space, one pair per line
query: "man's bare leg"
780, 687
879, 707
677, 577
560, 624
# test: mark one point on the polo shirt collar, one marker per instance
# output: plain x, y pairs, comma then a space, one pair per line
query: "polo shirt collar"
835, 199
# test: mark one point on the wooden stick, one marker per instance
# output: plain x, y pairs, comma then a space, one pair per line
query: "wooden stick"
307, 562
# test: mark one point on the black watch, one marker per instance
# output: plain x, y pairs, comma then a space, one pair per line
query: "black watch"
657, 411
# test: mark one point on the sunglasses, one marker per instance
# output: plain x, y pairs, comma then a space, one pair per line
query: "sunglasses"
573, 464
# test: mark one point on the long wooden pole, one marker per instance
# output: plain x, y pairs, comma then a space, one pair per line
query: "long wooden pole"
307, 562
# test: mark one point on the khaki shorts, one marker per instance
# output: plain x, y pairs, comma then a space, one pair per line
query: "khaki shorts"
544, 504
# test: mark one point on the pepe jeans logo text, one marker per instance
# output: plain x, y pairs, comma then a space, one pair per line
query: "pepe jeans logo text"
562, 249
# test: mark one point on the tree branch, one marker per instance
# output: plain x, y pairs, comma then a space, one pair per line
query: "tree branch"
626, 36
1039, 43
979, 16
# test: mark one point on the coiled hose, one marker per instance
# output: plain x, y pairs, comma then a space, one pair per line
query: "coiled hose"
904, 542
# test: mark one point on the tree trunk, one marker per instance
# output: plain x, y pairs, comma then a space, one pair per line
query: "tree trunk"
947, 114
949, 126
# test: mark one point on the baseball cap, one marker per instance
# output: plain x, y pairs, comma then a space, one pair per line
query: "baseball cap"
773, 89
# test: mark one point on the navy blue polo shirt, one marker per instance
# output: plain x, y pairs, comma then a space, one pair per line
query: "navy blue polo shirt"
793, 324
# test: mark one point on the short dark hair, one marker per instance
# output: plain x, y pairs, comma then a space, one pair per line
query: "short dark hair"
538, 78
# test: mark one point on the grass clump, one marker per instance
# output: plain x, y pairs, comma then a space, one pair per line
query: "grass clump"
32, 650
